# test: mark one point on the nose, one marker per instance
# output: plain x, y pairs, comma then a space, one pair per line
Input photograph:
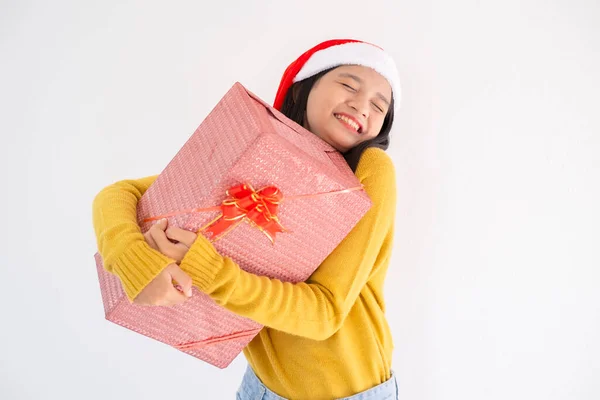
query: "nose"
360, 104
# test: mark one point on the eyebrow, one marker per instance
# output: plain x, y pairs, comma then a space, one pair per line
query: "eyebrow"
357, 79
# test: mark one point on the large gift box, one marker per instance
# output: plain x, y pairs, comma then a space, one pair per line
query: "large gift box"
300, 199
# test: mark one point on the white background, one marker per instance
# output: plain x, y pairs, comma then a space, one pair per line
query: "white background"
493, 288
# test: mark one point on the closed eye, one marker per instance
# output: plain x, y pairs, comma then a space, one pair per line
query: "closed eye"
377, 107
349, 87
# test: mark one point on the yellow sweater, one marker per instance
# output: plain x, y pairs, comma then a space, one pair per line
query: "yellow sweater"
324, 338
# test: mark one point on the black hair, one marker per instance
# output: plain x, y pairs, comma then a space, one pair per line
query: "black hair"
296, 110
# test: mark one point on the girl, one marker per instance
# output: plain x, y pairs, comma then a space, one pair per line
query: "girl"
327, 337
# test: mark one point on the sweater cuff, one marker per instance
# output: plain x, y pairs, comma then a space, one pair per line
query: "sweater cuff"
202, 263
137, 266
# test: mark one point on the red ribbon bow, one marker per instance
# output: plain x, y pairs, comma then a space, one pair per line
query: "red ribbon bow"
259, 208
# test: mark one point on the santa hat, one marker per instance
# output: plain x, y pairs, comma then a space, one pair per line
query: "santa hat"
333, 53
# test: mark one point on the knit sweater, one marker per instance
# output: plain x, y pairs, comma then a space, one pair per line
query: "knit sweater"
324, 338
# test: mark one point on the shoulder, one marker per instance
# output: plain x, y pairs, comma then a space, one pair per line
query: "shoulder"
376, 171
376, 165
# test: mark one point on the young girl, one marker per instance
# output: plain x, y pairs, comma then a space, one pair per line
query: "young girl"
327, 337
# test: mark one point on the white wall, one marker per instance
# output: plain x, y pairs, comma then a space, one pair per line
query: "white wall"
493, 291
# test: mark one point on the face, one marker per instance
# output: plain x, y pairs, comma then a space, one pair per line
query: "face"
347, 106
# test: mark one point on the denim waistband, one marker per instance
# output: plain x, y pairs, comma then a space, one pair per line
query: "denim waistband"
252, 388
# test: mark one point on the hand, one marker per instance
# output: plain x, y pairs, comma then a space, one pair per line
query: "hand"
161, 238
161, 292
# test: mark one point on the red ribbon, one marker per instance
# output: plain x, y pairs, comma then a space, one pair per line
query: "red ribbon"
246, 204
243, 203
206, 342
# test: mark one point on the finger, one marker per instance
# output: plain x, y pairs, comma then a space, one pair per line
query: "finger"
174, 297
181, 235
161, 224
170, 296
150, 240
182, 279
161, 292
174, 250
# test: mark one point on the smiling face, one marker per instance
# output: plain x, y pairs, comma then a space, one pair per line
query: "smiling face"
348, 106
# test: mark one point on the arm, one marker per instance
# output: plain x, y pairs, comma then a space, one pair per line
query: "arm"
314, 309
317, 307
119, 238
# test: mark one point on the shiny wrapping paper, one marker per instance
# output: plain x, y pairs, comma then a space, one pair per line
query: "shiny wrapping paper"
242, 141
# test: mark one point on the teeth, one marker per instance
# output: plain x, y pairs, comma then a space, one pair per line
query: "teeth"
348, 121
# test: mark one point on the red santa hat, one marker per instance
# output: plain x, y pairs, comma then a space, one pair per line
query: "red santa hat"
336, 52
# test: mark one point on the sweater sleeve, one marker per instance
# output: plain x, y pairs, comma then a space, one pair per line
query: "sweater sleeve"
119, 239
315, 308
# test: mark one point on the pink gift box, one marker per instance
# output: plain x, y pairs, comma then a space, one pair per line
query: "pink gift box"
242, 140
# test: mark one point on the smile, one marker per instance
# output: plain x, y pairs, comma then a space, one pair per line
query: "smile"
349, 122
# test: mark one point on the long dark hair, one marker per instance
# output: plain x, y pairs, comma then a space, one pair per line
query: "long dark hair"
295, 110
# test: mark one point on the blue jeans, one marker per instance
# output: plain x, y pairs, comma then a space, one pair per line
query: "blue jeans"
252, 388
